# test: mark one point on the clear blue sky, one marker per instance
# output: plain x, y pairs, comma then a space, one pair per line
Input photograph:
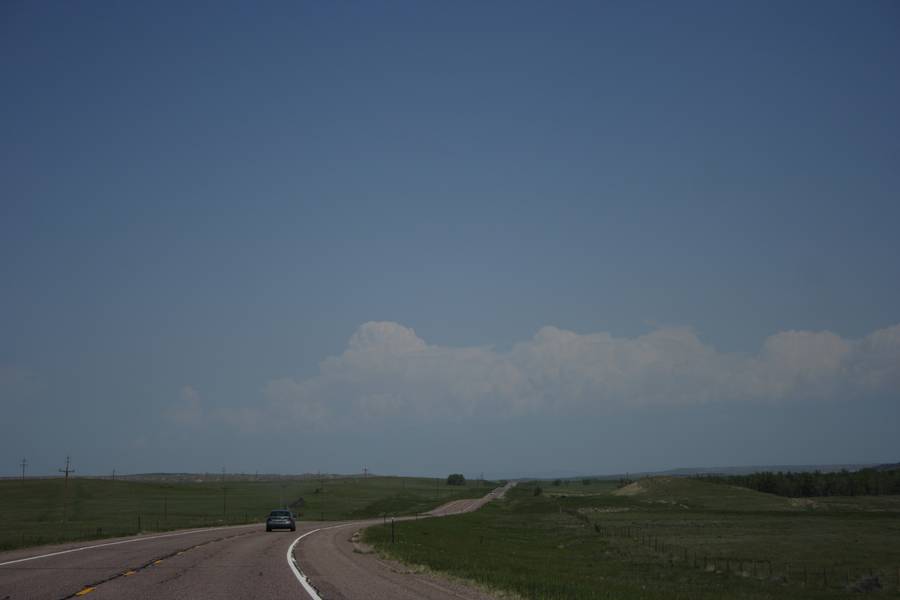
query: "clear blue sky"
200, 204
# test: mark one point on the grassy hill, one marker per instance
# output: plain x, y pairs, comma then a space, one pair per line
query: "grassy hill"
39, 511
692, 493
661, 538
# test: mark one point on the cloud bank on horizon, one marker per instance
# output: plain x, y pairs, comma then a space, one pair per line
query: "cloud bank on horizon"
388, 371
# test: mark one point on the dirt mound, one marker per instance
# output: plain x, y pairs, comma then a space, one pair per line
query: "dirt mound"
632, 489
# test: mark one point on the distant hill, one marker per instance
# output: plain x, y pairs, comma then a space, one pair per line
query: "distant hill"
888, 467
774, 468
745, 470
694, 493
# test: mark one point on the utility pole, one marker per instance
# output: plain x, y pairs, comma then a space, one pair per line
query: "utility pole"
224, 495
24, 464
67, 470
365, 473
114, 474
322, 488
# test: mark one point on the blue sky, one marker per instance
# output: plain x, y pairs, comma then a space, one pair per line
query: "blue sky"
202, 204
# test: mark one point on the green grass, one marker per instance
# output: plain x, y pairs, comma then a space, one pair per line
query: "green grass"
31, 512
674, 538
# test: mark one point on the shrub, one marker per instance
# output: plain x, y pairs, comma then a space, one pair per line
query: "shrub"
456, 479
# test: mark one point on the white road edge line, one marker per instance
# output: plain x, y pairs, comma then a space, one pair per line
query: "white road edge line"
303, 579
128, 541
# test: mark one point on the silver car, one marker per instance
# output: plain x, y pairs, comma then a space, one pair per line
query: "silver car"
280, 519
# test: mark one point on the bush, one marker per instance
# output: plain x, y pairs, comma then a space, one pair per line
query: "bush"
538, 491
456, 479
557, 482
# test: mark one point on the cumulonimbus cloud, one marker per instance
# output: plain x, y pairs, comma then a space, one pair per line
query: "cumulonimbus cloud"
387, 370
189, 410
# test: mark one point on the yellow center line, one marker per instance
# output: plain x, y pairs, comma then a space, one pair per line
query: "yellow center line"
128, 573
85, 591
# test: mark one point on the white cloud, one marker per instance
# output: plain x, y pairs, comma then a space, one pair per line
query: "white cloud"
189, 410
387, 370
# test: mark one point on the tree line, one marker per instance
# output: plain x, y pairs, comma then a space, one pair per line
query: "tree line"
865, 482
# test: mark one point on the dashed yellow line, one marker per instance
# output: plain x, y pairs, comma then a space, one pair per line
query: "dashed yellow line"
85, 591
156, 562
129, 573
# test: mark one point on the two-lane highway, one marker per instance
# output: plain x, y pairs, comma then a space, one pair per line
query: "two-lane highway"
228, 562
129, 566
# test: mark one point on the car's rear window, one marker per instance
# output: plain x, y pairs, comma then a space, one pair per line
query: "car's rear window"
280, 513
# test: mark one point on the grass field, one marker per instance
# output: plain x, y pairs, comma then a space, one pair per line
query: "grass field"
661, 539
31, 512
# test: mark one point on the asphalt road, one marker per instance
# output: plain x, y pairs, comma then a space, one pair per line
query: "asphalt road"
230, 562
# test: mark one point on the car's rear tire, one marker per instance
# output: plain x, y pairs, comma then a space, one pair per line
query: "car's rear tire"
293, 529
269, 529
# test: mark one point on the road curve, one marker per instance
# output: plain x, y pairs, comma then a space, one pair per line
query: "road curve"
228, 562
340, 568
